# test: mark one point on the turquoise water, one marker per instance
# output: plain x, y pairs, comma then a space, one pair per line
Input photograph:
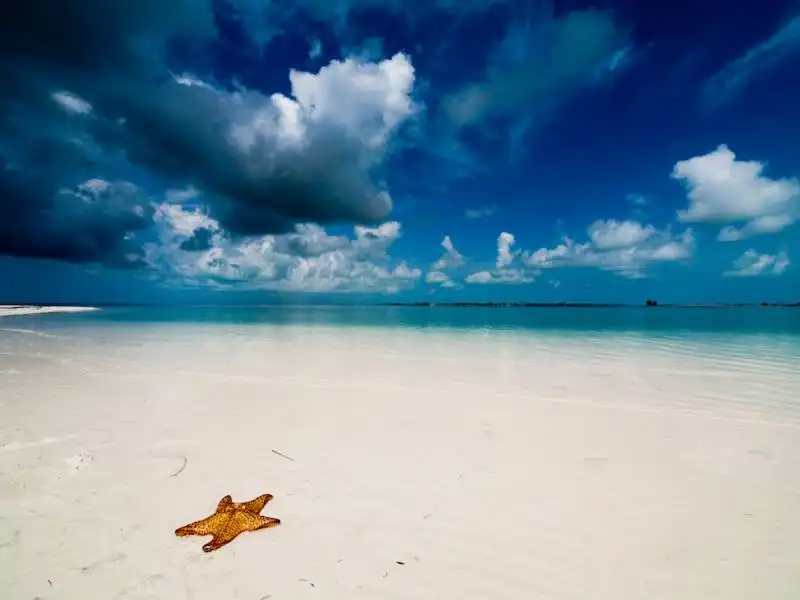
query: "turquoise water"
740, 362
690, 322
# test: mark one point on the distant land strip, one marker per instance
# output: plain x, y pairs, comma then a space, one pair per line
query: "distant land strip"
649, 304
33, 306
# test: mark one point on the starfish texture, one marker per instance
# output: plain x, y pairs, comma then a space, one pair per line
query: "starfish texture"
230, 519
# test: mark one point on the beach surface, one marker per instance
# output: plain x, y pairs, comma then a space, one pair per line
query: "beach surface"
10, 310
410, 465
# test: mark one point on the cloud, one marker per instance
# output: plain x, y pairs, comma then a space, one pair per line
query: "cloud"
437, 277
308, 259
336, 12
503, 272
725, 191
269, 163
315, 49
451, 258
637, 199
619, 59
95, 221
442, 280
57, 201
781, 263
753, 264
481, 212
611, 234
739, 73
625, 248
507, 276
91, 98
543, 60
72, 103
83, 29
504, 254
263, 20
760, 225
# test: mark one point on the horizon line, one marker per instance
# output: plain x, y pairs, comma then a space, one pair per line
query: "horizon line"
411, 304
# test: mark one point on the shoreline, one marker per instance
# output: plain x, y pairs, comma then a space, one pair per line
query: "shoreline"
494, 305
12, 310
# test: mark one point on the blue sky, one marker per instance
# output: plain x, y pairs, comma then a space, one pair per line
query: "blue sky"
354, 150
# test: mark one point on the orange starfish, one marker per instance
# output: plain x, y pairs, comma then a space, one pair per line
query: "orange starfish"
230, 519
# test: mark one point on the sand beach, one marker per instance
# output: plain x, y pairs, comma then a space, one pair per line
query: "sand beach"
10, 310
414, 465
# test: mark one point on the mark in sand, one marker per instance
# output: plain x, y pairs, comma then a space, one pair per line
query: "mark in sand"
13, 446
282, 455
107, 560
79, 461
182, 467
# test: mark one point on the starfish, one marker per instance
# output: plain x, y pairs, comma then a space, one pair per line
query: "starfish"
230, 519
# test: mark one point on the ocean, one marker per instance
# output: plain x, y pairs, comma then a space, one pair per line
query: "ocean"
578, 320
413, 452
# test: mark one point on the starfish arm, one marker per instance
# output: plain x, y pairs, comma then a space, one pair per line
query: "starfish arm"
220, 539
202, 527
238, 524
226, 502
265, 522
258, 504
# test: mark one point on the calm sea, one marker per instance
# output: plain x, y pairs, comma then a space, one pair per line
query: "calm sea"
687, 322
737, 363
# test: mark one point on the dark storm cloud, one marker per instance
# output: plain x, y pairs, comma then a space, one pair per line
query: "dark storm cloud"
47, 151
90, 37
50, 206
183, 132
110, 56
92, 222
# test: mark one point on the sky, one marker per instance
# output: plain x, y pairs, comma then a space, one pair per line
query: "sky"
358, 150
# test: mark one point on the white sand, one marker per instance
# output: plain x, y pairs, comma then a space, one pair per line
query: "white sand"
12, 310
490, 469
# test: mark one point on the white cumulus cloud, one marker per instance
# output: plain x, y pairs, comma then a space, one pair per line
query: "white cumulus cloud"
437, 277
736, 193
308, 260
503, 272
625, 248
451, 258
504, 254
753, 264
510, 276
612, 234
